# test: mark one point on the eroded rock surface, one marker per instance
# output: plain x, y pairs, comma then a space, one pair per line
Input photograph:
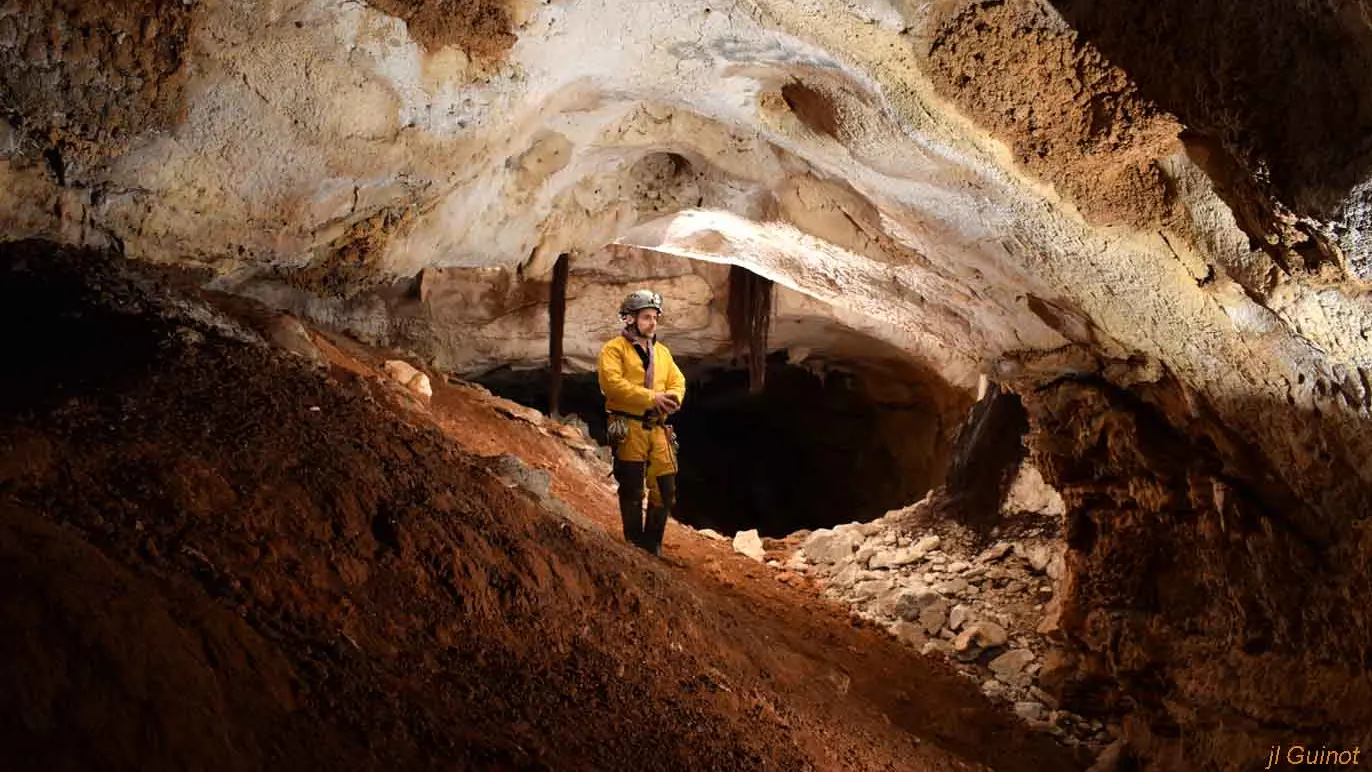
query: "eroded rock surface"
1148, 220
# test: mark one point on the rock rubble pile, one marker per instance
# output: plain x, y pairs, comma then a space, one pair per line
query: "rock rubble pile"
992, 610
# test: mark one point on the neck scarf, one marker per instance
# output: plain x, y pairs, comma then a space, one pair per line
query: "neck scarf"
631, 334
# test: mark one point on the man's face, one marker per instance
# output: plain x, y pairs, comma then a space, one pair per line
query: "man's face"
647, 322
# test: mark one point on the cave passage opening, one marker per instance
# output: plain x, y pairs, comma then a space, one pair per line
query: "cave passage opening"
815, 447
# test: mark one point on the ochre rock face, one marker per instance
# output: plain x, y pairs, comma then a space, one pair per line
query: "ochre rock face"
1166, 201
1215, 603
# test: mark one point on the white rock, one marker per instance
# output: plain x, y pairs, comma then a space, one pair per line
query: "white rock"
750, 544
995, 552
1036, 555
1011, 663
1057, 567
952, 587
867, 552
959, 616
710, 533
959, 566
1031, 711
1029, 493
406, 375
872, 588
851, 529
926, 545
871, 529
937, 647
287, 332
826, 546
977, 637
847, 577
901, 556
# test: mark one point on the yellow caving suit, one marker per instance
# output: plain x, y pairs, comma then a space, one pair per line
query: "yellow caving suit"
622, 373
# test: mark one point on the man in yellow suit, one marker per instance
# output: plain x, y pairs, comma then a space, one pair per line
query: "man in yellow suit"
642, 387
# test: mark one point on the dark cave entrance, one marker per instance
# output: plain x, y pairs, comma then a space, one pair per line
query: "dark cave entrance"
811, 450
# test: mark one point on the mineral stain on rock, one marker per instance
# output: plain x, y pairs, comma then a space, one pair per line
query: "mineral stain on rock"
481, 28
82, 79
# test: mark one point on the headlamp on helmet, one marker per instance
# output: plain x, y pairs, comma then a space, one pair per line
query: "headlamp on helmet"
639, 300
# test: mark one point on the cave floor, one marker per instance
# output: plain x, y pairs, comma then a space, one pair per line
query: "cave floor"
219, 557
821, 666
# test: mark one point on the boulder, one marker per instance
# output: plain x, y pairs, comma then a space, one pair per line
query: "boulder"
995, 552
893, 558
978, 637
406, 375
287, 332
1036, 555
1009, 667
750, 544
826, 546
872, 588
958, 616
926, 545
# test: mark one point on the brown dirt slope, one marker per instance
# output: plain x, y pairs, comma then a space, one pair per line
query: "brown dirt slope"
217, 557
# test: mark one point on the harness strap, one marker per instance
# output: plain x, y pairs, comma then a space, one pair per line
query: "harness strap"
648, 419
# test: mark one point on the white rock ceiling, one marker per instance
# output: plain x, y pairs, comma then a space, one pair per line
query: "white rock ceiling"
302, 118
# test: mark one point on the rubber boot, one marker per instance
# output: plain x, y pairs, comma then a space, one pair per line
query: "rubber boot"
655, 529
630, 477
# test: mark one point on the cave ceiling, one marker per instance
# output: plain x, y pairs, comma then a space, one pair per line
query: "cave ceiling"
1005, 187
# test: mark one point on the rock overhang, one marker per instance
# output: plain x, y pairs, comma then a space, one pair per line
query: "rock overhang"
812, 143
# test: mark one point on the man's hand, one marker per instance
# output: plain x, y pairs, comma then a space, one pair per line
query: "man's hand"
666, 403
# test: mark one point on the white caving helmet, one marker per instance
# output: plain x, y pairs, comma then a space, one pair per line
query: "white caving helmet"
639, 300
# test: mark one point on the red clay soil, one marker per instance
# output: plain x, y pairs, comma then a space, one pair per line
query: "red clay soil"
214, 556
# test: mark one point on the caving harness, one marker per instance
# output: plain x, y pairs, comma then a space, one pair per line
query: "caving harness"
617, 429
617, 425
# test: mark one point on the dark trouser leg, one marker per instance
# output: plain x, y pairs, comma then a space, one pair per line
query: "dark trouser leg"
629, 475
657, 515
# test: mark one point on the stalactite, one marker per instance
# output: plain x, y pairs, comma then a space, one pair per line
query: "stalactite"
750, 319
557, 317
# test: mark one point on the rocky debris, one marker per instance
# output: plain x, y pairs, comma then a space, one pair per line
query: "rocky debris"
406, 375
1029, 493
991, 610
750, 544
977, 638
710, 533
1009, 667
828, 547
518, 411
1031, 711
